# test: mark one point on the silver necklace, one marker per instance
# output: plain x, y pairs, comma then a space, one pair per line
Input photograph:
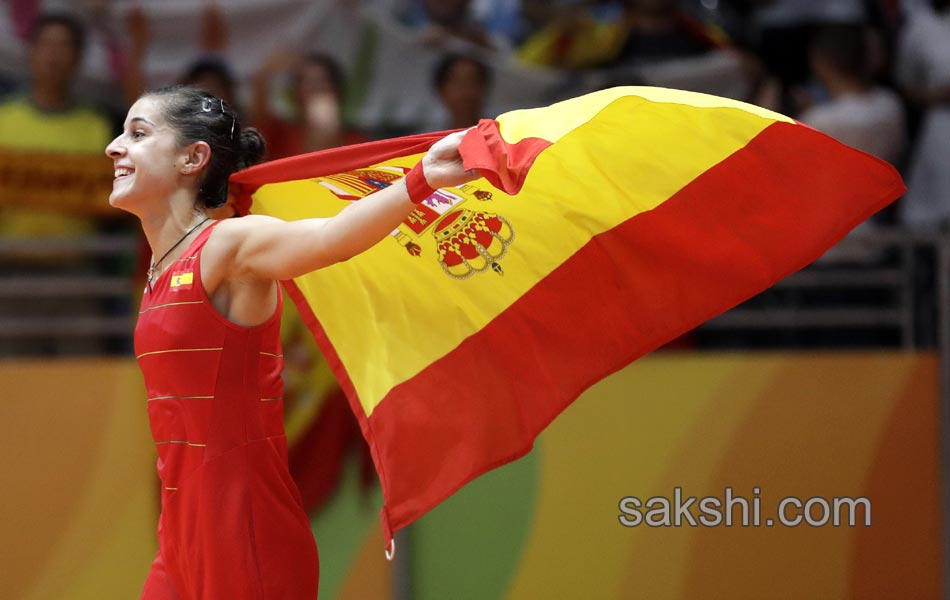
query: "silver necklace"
150, 274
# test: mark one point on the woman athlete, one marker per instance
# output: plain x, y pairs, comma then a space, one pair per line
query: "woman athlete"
232, 524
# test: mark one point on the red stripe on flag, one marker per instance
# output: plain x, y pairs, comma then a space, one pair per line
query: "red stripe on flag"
504, 165
342, 377
765, 212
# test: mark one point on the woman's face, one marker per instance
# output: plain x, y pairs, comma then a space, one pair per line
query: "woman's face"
148, 160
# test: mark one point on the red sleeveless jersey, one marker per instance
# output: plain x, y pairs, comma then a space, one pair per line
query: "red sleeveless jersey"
232, 524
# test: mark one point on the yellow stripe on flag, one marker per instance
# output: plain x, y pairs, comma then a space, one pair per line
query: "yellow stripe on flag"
563, 117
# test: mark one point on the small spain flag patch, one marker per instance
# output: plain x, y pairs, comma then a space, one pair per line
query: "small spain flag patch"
182, 280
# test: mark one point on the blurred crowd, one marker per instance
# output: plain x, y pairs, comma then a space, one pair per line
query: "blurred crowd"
874, 74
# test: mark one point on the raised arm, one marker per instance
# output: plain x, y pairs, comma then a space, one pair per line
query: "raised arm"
259, 110
268, 248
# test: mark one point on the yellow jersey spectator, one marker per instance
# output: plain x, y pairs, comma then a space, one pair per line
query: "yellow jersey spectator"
45, 119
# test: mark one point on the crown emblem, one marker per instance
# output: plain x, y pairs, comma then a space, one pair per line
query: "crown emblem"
470, 242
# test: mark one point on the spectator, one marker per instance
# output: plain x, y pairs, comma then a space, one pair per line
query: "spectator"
857, 111
212, 74
46, 118
462, 83
785, 27
317, 90
923, 72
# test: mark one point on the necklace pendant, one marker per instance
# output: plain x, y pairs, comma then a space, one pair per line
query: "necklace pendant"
150, 273
150, 277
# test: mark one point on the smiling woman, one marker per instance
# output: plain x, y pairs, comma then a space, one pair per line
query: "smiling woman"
207, 341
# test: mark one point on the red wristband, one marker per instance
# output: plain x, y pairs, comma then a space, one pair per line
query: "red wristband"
416, 184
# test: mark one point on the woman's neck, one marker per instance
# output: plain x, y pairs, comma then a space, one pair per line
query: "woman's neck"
163, 230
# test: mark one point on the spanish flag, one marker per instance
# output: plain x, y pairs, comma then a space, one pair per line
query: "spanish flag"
604, 226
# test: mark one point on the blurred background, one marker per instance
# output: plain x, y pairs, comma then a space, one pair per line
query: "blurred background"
835, 382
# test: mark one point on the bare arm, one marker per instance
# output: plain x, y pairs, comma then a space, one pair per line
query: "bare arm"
269, 248
133, 76
262, 247
259, 108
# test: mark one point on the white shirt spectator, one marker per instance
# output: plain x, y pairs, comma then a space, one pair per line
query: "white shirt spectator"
923, 60
872, 122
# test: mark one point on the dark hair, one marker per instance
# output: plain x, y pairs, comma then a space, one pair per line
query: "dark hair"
844, 47
75, 27
198, 116
209, 65
441, 73
329, 63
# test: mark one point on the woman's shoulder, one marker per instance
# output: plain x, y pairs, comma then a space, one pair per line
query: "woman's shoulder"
233, 230
231, 240
222, 252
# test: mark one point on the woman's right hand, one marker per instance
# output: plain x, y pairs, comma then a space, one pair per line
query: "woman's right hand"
442, 164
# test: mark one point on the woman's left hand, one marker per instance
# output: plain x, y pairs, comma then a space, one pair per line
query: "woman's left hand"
442, 164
